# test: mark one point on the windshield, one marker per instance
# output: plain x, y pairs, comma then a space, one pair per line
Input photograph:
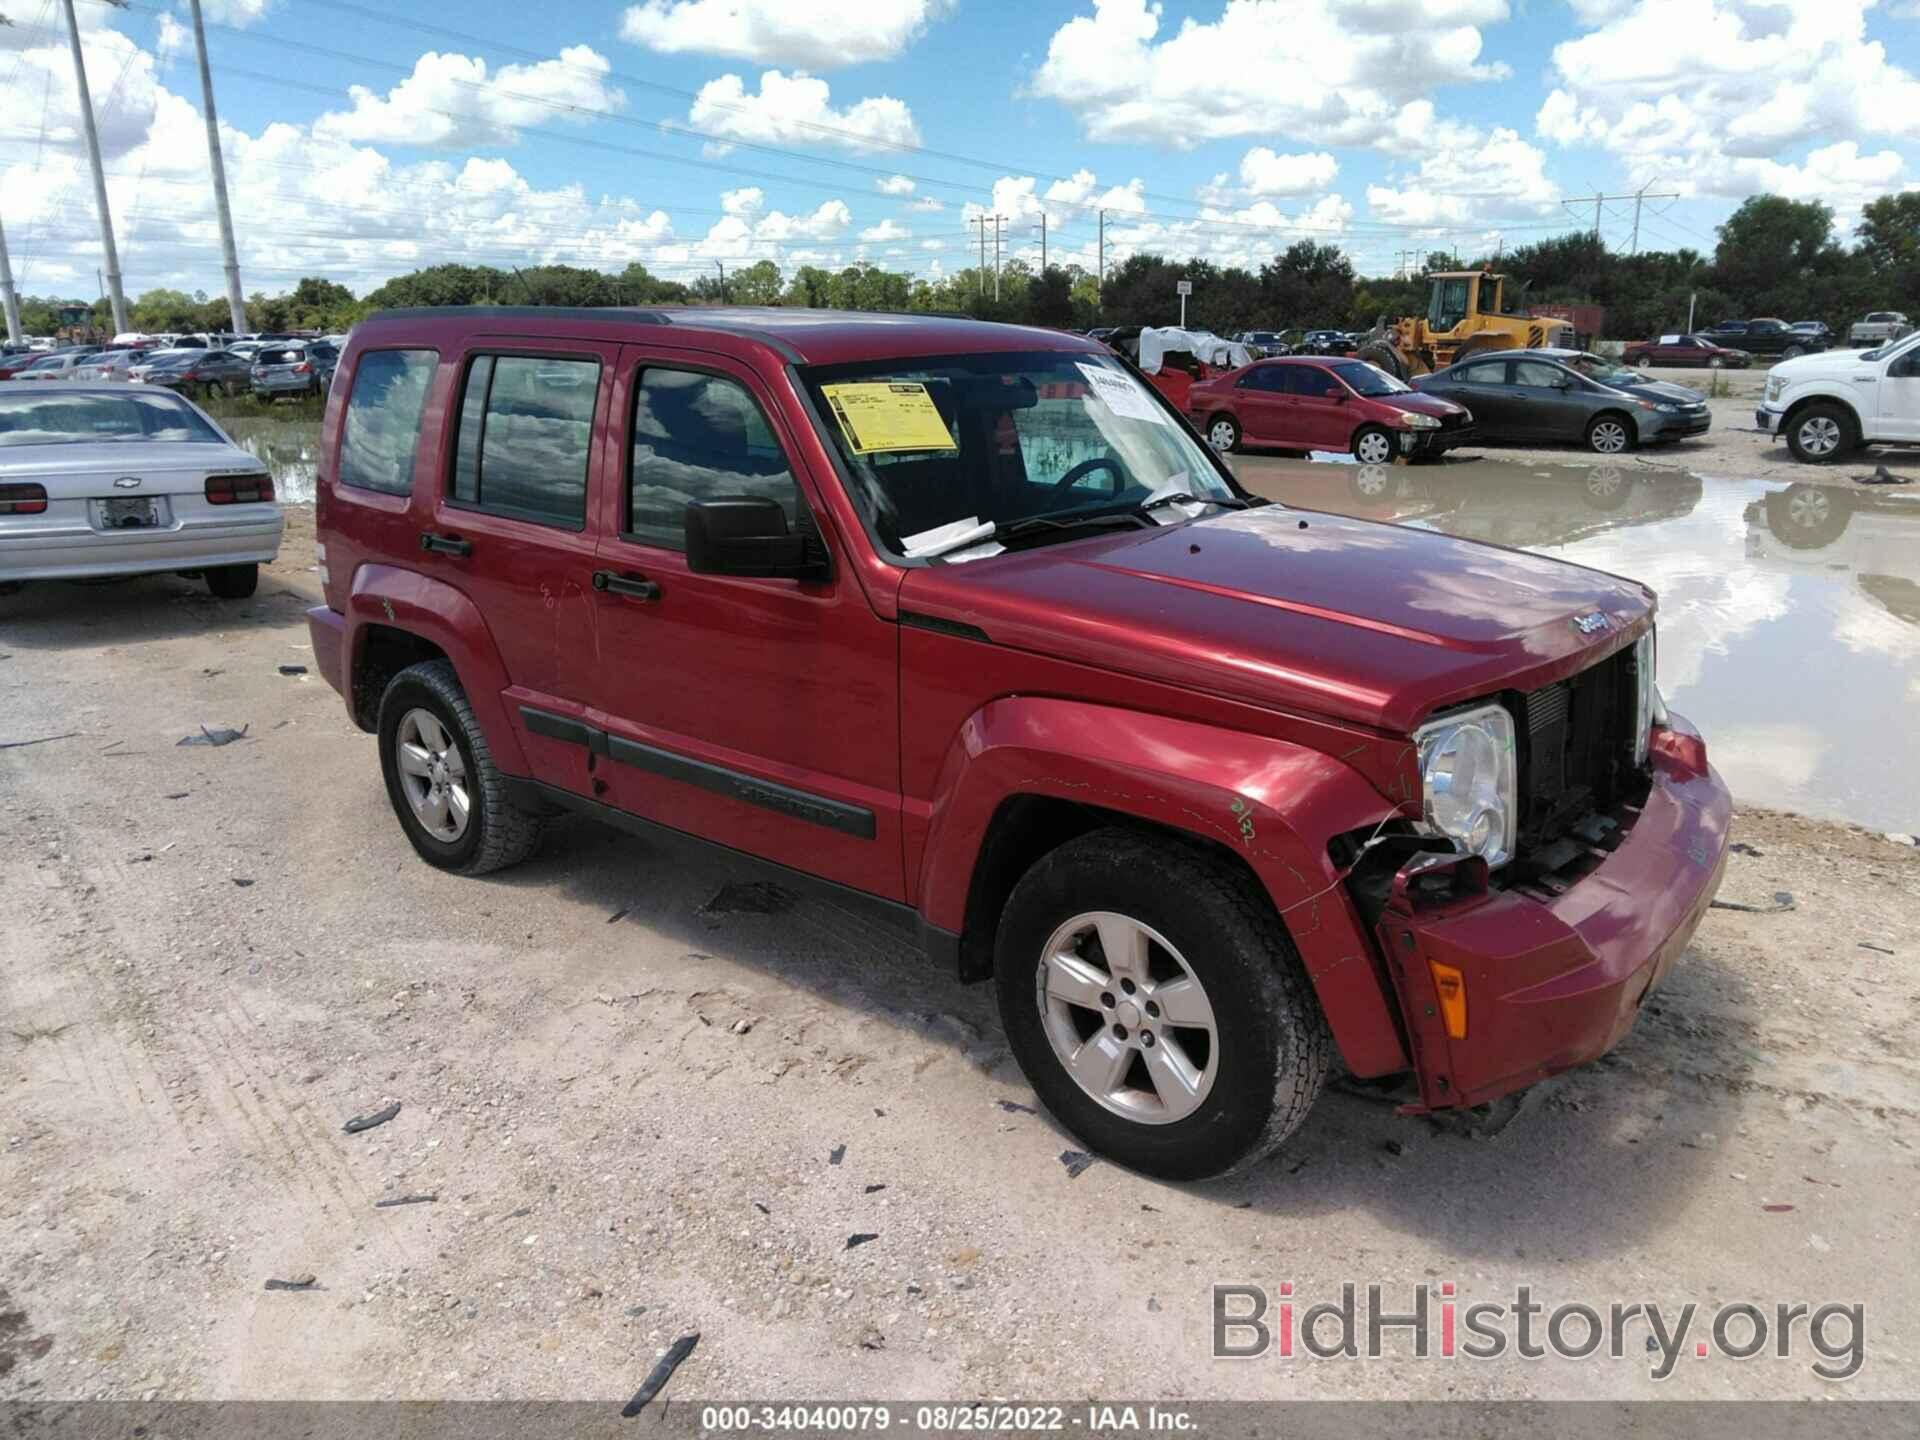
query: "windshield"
1365, 379
974, 441
64, 419
1602, 370
1905, 342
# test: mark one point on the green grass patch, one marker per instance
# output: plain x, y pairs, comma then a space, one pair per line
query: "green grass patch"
247, 407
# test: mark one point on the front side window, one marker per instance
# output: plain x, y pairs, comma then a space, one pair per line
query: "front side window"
526, 431
1310, 382
698, 437
1449, 305
989, 440
383, 419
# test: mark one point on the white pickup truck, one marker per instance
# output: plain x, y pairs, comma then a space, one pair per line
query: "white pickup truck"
1828, 404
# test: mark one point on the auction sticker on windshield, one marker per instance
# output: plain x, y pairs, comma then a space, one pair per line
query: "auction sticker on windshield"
884, 416
1122, 395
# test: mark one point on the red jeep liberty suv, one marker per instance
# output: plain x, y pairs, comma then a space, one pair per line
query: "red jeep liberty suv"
964, 623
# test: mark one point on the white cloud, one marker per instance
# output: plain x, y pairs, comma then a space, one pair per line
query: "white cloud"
450, 102
1482, 179
798, 109
1263, 172
885, 231
894, 185
928, 203
810, 34
172, 39
1339, 70
933, 244
235, 12
1714, 96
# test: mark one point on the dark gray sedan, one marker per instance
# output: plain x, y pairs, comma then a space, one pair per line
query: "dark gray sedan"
1570, 397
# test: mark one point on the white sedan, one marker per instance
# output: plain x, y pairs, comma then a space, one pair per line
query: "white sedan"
105, 479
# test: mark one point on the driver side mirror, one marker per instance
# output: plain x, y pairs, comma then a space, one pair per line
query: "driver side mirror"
746, 535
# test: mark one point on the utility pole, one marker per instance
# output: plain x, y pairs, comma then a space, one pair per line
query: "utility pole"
980, 275
1103, 255
112, 253
12, 301
1638, 197
236, 305
996, 257
1043, 242
723, 273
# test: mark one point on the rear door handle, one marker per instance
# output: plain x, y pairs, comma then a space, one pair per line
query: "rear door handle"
445, 544
636, 586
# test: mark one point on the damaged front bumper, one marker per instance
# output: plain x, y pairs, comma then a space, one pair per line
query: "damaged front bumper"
1499, 990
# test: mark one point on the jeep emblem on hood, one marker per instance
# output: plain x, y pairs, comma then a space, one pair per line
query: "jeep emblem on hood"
1592, 623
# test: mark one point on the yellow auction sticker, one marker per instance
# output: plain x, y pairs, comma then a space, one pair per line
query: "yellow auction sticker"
885, 416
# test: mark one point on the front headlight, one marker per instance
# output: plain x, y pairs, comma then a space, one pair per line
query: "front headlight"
1469, 778
1645, 658
1776, 387
1418, 422
1668, 409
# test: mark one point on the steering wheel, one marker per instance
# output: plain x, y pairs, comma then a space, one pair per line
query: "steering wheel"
1087, 467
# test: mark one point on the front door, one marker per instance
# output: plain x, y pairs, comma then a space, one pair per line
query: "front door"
1321, 417
1549, 401
1899, 397
761, 713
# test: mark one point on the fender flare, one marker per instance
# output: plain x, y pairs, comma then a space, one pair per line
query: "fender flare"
1818, 397
446, 617
1272, 803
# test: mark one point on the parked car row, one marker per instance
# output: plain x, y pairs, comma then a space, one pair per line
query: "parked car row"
269, 369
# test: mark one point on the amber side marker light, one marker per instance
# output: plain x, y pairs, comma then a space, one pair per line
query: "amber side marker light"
1452, 989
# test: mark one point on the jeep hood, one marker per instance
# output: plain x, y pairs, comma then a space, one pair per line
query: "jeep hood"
1371, 624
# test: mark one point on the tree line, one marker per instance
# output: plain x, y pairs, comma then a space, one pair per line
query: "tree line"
1774, 256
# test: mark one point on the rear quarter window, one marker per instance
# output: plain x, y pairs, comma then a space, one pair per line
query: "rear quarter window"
382, 431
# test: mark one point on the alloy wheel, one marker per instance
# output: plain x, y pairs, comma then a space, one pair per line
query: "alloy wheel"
1609, 437
433, 774
1819, 435
1127, 1018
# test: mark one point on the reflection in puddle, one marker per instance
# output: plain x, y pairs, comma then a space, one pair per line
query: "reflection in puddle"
1789, 614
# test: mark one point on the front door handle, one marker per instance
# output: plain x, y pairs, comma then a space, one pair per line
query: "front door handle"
446, 544
636, 586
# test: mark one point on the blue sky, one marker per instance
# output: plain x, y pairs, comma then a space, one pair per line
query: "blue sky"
366, 139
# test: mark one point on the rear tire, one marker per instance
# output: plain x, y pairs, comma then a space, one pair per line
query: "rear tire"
1793, 352
1241, 1078
493, 832
233, 582
1223, 433
1821, 434
1645, 362
1384, 357
1373, 445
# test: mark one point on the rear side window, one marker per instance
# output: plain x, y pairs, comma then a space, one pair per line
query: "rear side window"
383, 419
526, 431
698, 437
1492, 372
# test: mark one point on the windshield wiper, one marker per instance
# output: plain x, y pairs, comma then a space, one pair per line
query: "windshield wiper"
1181, 497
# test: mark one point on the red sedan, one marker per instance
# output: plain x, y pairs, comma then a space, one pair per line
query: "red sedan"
1695, 351
1310, 403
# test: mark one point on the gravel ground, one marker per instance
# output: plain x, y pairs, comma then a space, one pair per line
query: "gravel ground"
647, 1103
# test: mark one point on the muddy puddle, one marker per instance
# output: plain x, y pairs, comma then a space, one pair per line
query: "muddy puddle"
1789, 613
290, 449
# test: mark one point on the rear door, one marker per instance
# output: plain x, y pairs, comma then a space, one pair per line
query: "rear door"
508, 521
1260, 400
760, 713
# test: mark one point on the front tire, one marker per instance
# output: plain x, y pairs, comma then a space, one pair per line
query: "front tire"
1821, 434
1223, 433
449, 796
1645, 362
1157, 1006
1610, 434
233, 582
1793, 352
1373, 445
